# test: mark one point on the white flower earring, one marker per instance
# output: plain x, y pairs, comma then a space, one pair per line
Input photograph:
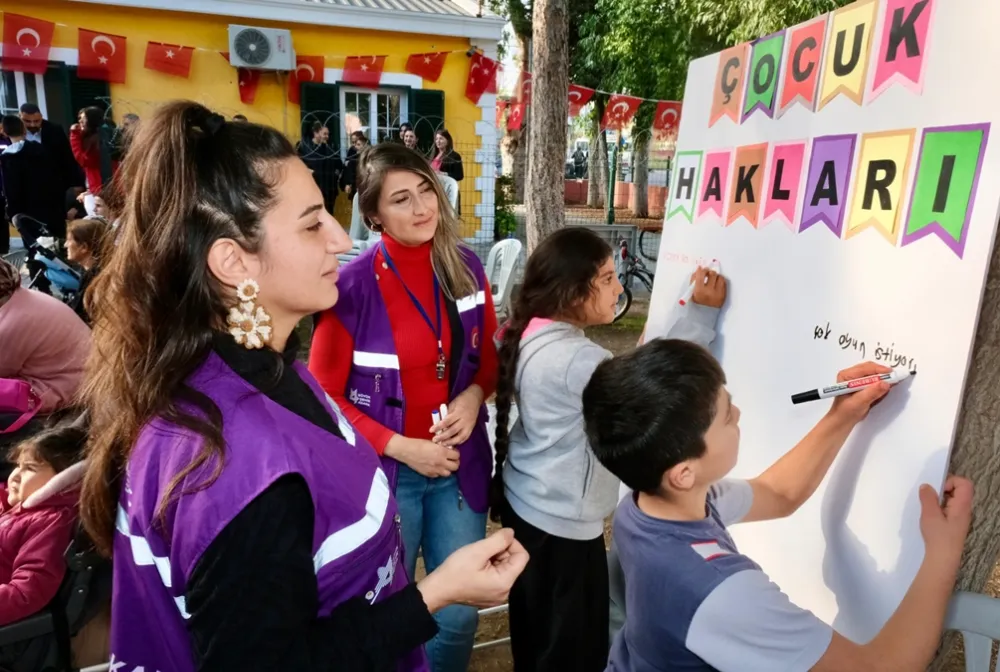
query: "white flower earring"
248, 322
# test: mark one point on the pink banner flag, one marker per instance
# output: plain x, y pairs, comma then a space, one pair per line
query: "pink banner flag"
713, 188
784, 183
902, 54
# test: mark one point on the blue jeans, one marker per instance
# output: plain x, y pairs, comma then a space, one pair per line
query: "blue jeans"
437, 521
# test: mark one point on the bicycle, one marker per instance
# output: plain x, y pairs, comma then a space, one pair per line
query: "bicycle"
633, 268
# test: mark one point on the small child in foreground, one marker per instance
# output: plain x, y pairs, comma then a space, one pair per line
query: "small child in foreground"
661, 420
38, 511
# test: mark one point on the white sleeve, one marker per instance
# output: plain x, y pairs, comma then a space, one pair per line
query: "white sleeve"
748, 625
732, 498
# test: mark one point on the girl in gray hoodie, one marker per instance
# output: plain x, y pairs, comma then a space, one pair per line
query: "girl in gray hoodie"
548, 485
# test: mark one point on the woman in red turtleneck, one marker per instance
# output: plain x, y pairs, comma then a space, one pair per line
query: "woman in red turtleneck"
401, 197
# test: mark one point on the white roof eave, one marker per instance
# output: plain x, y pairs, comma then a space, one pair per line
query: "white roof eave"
295, 11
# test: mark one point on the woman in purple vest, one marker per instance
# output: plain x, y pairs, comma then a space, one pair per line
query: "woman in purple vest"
251, 527
411, 334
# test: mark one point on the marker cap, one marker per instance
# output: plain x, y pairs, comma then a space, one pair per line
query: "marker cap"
803, 397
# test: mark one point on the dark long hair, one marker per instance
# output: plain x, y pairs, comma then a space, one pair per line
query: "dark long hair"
446, 248
190, 179
92, 133
558, 279
451, 143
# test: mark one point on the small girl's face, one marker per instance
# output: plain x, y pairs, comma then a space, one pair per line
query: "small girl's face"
28, 477
600, 308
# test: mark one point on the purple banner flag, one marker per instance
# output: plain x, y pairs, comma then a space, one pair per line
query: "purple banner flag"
829, 178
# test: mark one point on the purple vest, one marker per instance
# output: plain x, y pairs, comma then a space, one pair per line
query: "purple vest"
356, 539
374, 385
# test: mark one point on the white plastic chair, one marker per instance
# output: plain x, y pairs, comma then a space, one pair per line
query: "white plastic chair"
977, 617
500, 266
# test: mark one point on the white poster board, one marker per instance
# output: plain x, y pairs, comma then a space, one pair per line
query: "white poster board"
864, 233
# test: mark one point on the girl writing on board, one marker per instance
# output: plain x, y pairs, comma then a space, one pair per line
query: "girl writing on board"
548, 485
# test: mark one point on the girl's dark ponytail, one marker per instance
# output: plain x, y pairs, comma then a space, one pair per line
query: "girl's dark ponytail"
510, 348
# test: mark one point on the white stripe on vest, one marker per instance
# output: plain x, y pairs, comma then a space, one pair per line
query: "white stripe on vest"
471, 301
143, 556
376, 360
355, 535
342, 423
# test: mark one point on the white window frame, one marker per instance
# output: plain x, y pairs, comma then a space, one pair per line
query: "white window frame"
404, 113
21, 92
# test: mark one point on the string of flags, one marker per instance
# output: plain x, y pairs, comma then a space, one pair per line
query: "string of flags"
27, 43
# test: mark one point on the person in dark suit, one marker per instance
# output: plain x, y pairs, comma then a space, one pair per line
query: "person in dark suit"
63, 169
28, 183
323, 161
349, 178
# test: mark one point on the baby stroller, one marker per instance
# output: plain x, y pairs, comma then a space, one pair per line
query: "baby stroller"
49, 272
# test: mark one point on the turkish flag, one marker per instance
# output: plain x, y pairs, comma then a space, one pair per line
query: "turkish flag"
428, 66
501, 108
307, 69
102, 56
364, 71
524, 88
619, 112
482, 77
516, 118
247, 79
668, 117
26, 43
578, 97
169, 58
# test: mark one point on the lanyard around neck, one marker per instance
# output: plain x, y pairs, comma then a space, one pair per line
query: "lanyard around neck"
435, 327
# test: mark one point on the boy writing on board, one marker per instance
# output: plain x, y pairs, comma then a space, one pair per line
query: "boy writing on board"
661, 420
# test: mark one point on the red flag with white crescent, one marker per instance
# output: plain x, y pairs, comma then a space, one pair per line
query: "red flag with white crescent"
247, 79
307, 69
364, 71
578, 97
26, 43
427, 66
524, 88
668, 117
171, 59
619, 112
482, 77
516, 118
102, 56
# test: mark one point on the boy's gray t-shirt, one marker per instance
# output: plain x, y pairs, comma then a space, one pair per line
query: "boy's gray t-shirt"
695, 603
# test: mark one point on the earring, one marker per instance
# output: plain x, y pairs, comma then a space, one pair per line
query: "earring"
374, 226
248, 322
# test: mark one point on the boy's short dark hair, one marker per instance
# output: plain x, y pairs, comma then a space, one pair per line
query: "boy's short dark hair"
60, 447
648, 411
13, 127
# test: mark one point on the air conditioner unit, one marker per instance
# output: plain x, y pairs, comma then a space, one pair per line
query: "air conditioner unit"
261, 48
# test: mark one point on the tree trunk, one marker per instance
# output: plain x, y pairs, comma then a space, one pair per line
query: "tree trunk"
547, 126
520, 165
640, 174
976, 453
595, 193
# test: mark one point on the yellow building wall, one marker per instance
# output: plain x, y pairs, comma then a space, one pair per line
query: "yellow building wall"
213, 81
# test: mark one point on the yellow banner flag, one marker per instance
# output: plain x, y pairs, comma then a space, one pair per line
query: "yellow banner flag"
880, 183
848, 50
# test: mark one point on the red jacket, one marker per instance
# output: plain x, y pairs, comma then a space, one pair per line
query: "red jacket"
89, 160
34, 536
